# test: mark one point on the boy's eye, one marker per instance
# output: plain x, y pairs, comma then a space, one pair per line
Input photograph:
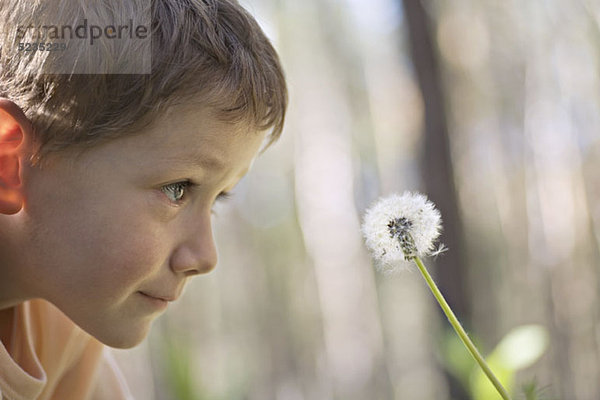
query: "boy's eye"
221, 197
175, 191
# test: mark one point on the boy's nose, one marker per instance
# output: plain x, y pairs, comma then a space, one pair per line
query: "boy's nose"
197, 253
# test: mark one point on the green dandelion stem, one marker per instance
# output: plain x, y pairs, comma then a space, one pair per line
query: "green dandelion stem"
460, 331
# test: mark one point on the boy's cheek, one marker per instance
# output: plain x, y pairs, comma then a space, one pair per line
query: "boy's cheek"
111, 254
135, 258
130, 251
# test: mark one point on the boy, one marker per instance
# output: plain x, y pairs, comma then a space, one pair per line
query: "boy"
107, 179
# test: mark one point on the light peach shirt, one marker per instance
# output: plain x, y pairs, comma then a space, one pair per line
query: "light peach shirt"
50, 358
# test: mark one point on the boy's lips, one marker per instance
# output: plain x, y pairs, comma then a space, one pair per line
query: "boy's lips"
168, 298
157, 303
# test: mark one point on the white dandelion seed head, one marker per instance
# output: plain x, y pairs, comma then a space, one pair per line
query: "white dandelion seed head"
399, 227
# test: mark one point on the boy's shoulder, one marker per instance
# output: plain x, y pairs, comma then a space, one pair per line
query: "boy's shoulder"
46, 347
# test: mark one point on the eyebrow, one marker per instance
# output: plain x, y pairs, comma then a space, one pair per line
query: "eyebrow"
202, 160
209, 162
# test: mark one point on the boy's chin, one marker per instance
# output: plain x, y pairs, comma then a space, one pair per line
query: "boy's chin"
124, 338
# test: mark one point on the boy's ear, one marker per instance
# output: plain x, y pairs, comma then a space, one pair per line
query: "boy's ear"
14, 127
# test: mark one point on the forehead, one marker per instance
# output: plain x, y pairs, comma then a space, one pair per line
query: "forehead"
183, 136
188, 133
197, 132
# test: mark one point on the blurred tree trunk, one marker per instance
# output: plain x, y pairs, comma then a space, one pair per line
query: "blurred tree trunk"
436, 167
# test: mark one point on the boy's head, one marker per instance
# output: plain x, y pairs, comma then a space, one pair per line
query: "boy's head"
211, 51
107, 181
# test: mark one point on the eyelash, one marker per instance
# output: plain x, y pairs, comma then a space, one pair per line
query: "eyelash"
185, 186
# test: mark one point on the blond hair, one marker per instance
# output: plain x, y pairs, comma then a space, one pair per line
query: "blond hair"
211, 50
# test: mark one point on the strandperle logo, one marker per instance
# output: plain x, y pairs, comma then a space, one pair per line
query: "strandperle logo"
81, 36
91, 32
87, 45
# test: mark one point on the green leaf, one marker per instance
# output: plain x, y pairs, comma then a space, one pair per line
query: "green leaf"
522, 346
519, 349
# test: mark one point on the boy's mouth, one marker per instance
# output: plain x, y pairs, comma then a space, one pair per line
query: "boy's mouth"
157, 301
167, 298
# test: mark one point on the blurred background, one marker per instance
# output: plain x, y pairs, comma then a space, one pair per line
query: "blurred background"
491, 108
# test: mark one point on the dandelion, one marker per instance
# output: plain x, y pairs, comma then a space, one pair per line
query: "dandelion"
401, 229
398, 228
